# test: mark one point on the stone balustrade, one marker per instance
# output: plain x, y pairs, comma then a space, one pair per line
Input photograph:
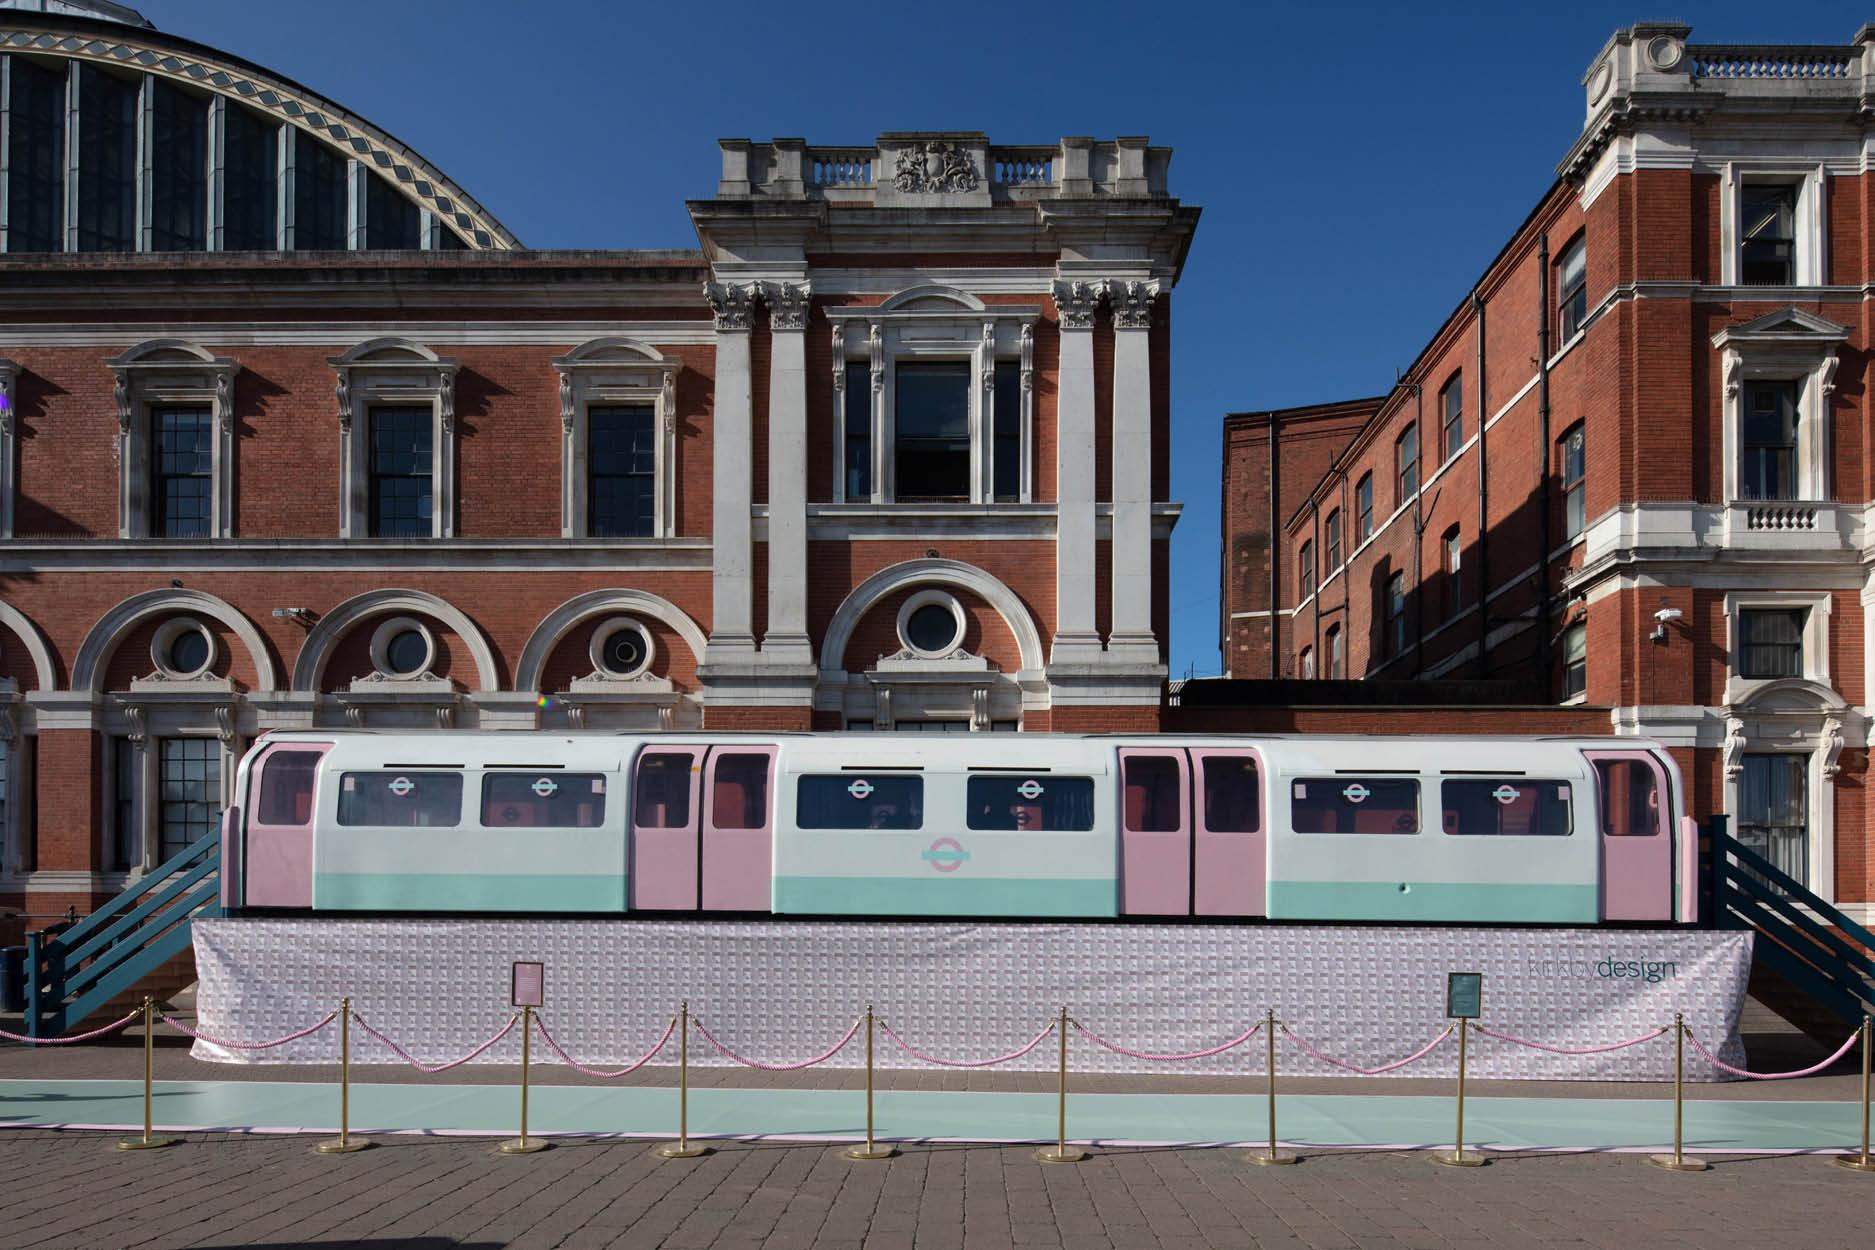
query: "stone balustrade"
923, 169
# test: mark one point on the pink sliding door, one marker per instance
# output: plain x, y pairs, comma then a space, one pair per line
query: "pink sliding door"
1634, 822
1155, 833
666, 789
1230, 838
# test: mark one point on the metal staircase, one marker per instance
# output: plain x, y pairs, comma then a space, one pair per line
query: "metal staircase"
1807, 943
74, 971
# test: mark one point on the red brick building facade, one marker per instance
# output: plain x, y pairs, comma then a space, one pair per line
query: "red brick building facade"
1630, 471
296, 434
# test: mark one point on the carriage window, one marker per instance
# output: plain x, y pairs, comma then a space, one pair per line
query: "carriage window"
1506, 806
1230, 795
286, 788
1040, 803
543, 800
739, 798
1354, 805
401, 800
1152, 797
857, 801
663, 791
1630, 798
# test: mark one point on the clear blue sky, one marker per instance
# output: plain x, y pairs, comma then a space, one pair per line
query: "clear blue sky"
1358, 165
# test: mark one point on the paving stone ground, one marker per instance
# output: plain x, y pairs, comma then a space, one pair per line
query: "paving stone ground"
71, 1189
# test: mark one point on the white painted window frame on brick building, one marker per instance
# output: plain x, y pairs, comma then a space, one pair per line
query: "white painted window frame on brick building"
935, 323
1789, 345
614, 370
394, 372
1810, 228
156, 374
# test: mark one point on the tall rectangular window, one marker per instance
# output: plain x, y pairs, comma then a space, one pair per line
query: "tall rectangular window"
107, 162
1574, 469
6, 765
1770, 642
392, 223
126, 797
856, 445
1364, 508
1333, 530
402, 442
1449, 555
931, 452
178, 169
319, 182
250, 182
1006, 446
1337, 655
1452, 417
190, 793
1308, 662
1305, 570
182, 471
1572, 290
1767, 231
1575, 660
1770, 442
36, 157
1774, 811
622, 471
1406, 462
1396, 614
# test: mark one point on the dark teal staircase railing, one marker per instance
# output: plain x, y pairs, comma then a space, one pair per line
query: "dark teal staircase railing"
1808, 942
74, 970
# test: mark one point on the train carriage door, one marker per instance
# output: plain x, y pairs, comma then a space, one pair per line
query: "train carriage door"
277, 858
666, 815
1155, 833
739, 829
1636, 841
1229, 867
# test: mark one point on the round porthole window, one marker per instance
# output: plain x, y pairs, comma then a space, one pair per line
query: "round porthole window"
183, 648
622, 648
403, 648
931, 624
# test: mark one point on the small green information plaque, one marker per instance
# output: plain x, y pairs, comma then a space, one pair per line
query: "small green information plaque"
1464, 995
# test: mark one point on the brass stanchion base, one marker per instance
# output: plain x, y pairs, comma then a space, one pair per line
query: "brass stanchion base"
1855, 1163
867, 1153
1061, 1154
676, 1151
1683, 1163
1271, 1158
145, 1143
343, 1146
523, 1146
1458, 1158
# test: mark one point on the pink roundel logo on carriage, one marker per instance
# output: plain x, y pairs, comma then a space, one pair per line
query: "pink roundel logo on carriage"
945, 855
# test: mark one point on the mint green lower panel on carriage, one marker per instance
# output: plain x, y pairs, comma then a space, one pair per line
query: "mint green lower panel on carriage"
469, 891
1434, 900
968, 896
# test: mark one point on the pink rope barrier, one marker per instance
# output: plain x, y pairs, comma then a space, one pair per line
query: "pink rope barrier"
1098, 1040
915, 1053
1772, 1076
776, 1067
180, 1027
418, 1064
1415, 1057
1569, 1050
67, 1041
577, 1066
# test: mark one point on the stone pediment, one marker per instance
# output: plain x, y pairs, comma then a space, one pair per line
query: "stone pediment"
1788, 695
1792, 326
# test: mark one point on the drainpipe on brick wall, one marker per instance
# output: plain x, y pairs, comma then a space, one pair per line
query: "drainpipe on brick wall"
1419, 534
1315, 578
1276, 485
1484, 515
1545, 640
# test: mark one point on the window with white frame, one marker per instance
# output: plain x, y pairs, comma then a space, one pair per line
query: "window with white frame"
1779, 380
1332, 526
1773, 810
618, 421
1771, 224
934, 392
1769, 470
1337, 654
1451, 417
1364, 509
175, 441
1770, 642
1406, 461
1452, 572
397, 411
1773, 636
1572, 289
1396, 614
1308, 662
1572, 454
165, 794
1305, 570
1575, 660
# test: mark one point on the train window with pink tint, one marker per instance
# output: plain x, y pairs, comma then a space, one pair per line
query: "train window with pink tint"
1505, 806
663, 790
1630, 798
1355, 805
1230, 795
406, 799
286, 788
739, 797
543, 800
1152, 794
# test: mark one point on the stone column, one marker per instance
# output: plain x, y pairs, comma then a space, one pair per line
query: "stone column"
786, 635
1132, 638
732, 563
1076, 639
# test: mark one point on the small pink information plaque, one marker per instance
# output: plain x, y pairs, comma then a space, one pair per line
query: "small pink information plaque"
529, 985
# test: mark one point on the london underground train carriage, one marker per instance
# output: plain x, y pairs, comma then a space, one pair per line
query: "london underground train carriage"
1562, 831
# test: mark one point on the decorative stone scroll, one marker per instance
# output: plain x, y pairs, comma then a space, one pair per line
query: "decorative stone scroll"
937, 166
1076, 302
731, 303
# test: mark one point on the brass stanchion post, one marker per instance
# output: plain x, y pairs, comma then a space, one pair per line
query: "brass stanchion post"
1458, 1156
522, 1145
148, 1141
1271, 1157
1677, 1161
871, 1150
681, 1148
1061, 1152
343, 1143
1862, 1162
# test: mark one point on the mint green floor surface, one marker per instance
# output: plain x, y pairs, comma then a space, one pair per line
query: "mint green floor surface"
917, 1115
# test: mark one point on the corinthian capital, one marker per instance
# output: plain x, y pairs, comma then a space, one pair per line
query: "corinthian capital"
787, 304
732, 303
1076, 303
1132, 304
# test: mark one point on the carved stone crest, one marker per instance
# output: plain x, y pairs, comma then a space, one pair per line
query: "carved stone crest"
934, 166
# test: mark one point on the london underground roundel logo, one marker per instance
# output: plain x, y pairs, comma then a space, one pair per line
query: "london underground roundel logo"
860, 789
1356, 793
1507, 794
545, 787
945, 855
1030, 789
401, 786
